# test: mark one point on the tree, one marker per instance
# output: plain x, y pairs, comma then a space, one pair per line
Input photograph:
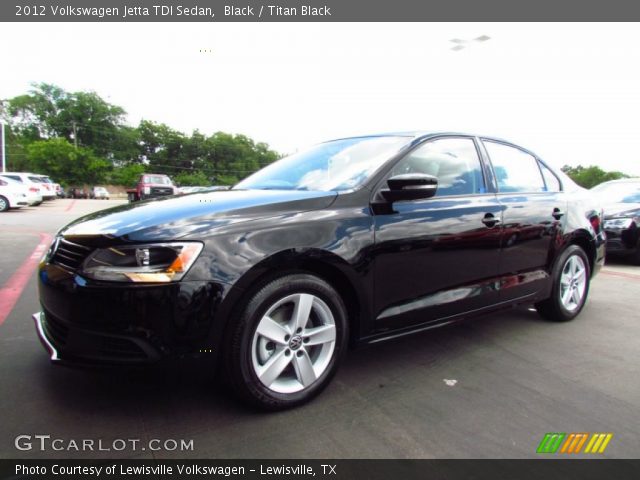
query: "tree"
591, 176
83, 118
50, 120
65, 163
192, 179
127, 175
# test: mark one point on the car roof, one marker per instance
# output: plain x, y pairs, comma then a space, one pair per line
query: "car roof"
417, 135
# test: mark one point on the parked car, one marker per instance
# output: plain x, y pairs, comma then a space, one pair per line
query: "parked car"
336, 245
12, 194
621, 199
31, 182
77, 192
99, 193
31, 190
51, 188
151, 185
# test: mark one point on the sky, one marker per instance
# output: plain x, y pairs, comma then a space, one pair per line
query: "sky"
569, 92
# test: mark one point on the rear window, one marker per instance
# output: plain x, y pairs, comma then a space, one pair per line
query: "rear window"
35, 179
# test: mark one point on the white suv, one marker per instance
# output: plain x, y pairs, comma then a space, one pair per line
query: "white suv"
34, 184
12, 195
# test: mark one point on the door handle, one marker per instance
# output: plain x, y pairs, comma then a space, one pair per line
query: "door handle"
490, 221
557, 213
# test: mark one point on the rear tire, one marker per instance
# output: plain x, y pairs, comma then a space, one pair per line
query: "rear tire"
287, 342
4, 204
571, 275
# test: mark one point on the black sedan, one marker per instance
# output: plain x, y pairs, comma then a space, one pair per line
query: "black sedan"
353, 241
621, 199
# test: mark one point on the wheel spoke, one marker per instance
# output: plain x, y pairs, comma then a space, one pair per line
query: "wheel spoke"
573, 265
274, 367
304, 369
320, 335
301, 312
576, 296
566, 297
272, 330
579, 275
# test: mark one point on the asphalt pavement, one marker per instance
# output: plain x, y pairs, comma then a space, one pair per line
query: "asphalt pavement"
491, 387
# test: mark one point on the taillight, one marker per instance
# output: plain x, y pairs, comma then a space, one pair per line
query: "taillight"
34, 189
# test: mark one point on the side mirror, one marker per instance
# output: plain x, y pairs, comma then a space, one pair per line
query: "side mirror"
410, 186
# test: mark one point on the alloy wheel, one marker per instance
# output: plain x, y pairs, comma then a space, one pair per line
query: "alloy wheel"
293, 343
573, 282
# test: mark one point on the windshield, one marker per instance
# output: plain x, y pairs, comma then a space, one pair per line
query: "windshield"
157, 179
337, 165
618, 192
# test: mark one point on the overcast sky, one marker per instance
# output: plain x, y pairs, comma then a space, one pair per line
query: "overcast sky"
570, 92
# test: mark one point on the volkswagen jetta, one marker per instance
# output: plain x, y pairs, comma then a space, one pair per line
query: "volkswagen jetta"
352, 241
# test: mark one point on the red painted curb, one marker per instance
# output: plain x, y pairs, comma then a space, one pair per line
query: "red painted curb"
13, 288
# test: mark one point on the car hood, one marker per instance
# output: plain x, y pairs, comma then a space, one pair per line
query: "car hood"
170, 218
616, 210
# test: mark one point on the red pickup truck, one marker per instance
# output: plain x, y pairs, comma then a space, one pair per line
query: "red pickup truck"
151, 185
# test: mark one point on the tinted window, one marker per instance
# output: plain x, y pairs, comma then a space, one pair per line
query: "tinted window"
14, 177
551, 181
515, 170
453, 161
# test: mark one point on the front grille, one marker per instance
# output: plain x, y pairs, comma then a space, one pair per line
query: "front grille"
161, 191
56, 332
70, 255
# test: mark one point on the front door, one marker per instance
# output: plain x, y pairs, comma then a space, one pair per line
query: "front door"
437, 257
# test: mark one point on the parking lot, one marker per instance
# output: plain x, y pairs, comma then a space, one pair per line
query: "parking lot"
487, 388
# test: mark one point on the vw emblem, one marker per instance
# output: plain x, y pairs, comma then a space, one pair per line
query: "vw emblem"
295, 342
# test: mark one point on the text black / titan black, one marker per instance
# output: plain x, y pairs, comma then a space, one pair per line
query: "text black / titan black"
354, 241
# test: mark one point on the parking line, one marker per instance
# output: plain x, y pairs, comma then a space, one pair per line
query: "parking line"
13, 288
70, 206
621, 274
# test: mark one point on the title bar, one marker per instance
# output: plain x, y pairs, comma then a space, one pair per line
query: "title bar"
315, 10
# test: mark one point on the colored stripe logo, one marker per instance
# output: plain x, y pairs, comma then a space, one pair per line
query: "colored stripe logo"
574, 442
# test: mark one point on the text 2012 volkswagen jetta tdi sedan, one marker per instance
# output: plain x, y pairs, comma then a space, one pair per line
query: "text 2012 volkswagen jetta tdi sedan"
352, 241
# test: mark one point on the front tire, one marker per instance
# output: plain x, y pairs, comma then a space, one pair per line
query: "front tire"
286, 344
4, 204
571, 275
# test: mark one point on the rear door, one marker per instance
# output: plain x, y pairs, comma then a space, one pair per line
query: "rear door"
534, 208
437, 257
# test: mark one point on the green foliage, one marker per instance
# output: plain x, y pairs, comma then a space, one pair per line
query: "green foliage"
591, 176
195, 179
127, 175
107, 149
65, 163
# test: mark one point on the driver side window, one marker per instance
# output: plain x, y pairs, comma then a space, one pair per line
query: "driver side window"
453, 161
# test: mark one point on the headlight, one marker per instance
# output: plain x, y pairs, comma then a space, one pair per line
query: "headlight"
618, 223
154, 263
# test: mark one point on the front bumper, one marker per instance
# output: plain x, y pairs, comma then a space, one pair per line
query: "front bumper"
622, 241
67, 344
90, 322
